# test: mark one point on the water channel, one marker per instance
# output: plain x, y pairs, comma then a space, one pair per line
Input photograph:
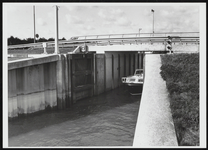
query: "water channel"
105, 120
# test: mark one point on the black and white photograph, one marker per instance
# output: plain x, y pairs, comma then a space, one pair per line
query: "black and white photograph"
104, 75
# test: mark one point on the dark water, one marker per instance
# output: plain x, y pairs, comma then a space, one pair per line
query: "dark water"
105, 120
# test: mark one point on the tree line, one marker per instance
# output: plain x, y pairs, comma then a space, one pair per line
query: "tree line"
15, 40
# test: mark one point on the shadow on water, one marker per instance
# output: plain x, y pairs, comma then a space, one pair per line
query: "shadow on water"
82, 108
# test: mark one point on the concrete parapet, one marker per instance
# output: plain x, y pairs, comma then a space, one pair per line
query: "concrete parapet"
155, 125
31, 62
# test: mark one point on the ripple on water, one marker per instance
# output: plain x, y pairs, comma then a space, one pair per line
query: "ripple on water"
105, 120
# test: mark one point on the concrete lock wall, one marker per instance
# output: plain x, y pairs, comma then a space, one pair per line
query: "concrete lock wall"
112, 61
31, 85
42, 83
108, 72
119, 64
99, 74
115, 70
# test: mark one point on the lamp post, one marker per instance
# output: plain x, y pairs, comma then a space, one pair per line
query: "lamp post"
34, 21
56, 31
140, 30
153, 21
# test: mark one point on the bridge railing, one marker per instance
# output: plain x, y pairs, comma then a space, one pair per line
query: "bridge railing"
112, 38
134, 35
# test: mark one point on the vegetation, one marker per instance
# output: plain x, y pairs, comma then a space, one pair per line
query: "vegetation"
181, 73
15, 40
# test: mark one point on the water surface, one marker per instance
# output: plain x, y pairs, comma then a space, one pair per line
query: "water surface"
105, 120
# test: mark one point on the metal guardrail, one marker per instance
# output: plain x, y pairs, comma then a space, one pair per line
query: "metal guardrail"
186, 37
133, 35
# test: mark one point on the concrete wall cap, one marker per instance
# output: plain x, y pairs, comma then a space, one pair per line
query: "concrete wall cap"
31, 62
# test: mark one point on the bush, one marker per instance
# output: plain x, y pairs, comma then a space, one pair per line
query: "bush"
181, 73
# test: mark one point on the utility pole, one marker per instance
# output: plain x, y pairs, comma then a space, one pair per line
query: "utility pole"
56, 31
34, 21
153, 21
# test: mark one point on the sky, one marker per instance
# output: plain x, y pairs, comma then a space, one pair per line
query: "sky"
77, 19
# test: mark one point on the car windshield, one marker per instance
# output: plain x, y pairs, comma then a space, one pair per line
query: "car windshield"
139, 72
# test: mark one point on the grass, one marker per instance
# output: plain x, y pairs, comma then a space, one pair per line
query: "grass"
181, 73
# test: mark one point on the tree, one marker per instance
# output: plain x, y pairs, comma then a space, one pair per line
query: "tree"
23, 41
10, 40
30, 40
42, 40
51, 39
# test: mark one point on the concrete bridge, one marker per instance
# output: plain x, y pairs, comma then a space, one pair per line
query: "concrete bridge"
138, 42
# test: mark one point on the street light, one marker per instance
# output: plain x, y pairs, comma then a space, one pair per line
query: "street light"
56, 31
153, 21
34, 21
139, 30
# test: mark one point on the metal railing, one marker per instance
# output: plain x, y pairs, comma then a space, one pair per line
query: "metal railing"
135, 35
111, 39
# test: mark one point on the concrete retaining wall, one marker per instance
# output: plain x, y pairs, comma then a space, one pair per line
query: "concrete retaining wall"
155, 125
45, 82
108, 72
99, 74
31, 85
119, 64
